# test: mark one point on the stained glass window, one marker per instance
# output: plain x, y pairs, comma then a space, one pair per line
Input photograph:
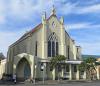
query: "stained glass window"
52, 45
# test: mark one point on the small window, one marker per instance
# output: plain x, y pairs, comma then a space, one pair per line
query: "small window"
56, 48
75, 68
53, 24
77, 49
36, 49
68, 51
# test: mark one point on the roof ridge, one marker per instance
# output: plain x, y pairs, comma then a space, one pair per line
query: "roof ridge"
37, 27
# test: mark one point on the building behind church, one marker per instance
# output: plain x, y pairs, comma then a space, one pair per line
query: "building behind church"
35, 48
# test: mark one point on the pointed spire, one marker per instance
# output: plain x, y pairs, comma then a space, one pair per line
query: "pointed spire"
53, 10
44, 17
62, 20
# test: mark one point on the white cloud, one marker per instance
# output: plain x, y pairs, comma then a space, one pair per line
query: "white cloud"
2, 20
23, 9
89, 9
26, 9
6, 38
31, 9
67, 8
75, 8
78, 25
18, 10
2, 12
9, 37
91, 48
85, 25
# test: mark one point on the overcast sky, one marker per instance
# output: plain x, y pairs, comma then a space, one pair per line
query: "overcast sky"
82, 20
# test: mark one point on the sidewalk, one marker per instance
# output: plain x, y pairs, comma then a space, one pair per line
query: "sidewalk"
54, 82
50, 82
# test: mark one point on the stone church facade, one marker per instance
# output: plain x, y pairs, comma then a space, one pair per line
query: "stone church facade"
35, 48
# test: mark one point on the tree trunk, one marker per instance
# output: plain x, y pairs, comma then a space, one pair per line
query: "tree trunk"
58, 72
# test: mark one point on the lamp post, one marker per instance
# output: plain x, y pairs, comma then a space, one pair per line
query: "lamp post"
42, 69
35, 72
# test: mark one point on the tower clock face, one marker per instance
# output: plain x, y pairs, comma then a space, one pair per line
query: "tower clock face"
53, 24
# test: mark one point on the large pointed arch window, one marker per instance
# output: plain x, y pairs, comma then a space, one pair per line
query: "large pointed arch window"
52, 45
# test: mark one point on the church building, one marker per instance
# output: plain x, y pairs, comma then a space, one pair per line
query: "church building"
30, 55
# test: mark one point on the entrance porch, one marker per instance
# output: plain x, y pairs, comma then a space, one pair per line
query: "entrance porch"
69, 70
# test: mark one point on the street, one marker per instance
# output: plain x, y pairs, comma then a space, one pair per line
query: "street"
68, 83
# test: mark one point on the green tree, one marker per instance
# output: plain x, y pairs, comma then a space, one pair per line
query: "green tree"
57, 61
89, 65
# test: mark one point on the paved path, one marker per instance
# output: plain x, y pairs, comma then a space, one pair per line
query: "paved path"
55, 83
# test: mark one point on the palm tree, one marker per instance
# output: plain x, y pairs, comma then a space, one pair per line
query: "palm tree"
56, 62
89, 65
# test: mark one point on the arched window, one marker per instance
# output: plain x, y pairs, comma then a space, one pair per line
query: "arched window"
68, 51
52, 45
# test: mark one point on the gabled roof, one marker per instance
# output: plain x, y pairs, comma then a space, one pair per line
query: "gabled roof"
32, 31
29, 33
38, 26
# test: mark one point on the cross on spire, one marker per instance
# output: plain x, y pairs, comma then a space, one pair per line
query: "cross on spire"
53, 10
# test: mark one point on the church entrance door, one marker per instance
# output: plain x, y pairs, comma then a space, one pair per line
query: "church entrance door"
27, 71
23, 69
